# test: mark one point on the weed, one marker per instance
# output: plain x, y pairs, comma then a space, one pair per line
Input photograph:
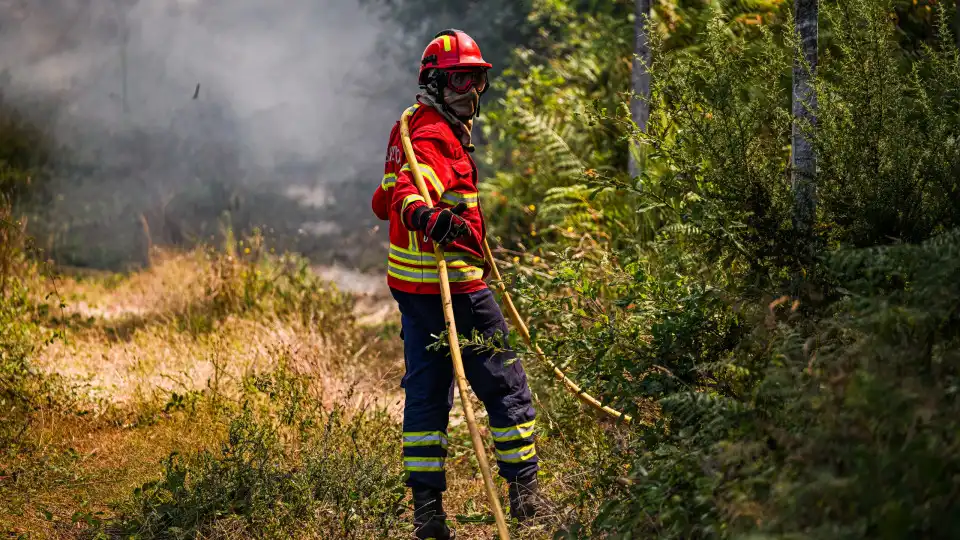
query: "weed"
286, 467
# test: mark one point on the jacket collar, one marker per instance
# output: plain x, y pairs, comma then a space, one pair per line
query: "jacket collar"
463, 131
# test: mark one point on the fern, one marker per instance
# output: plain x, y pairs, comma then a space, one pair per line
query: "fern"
550, 141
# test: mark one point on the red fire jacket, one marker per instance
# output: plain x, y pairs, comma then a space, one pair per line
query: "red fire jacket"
451, 178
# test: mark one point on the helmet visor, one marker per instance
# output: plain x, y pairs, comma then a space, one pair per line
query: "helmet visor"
462, 81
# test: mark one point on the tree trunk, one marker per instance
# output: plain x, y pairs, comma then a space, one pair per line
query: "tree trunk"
804, 117
640, 104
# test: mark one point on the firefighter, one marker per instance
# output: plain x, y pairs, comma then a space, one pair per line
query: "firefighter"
453, 77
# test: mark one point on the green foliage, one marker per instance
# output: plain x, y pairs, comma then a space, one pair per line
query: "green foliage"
541, 138
820, 411
887, 130
286, 467
22, 387
868, 433
562, 124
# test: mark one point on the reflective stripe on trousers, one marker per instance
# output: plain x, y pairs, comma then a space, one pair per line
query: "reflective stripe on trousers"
496, 376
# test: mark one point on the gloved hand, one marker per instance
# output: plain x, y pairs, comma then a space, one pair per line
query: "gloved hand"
442, 225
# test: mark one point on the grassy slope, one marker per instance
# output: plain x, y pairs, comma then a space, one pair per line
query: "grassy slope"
149, 359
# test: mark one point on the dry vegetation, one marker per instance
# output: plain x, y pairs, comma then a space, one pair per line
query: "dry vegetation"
200, 397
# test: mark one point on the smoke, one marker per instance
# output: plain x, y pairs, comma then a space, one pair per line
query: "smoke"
241, 90
292, 72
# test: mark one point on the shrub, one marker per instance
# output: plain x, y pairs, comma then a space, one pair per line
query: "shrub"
818, 411
287, 467
246, 277
22, 387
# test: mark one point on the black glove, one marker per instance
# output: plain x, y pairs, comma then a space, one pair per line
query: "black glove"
442, 225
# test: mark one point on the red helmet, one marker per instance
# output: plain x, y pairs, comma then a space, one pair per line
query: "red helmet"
451, 49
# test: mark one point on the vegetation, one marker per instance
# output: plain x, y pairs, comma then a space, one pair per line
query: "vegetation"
221, 394
784, 396
786, 382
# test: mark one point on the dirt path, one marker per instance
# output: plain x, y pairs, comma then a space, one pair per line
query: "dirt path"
125, 345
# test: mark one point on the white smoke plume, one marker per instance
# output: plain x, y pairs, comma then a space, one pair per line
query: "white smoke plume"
298, 81
293, 72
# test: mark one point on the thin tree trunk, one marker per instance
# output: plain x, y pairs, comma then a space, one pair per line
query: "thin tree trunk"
804, 117
640, 104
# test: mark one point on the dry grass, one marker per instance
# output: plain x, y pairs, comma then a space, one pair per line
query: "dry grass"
78, 464
170, 285
130, 346
129, 339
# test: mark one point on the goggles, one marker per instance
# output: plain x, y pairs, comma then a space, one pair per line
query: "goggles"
462, 81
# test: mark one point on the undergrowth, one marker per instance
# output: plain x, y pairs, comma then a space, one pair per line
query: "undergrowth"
284, 463
286, 468
22, 388
790, 398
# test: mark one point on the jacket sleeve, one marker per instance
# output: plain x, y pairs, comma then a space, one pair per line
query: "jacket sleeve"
383, 195
381, 203
431, 160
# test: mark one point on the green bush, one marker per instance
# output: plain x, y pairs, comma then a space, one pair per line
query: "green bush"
286, 468
22, 387
824, 410
24, 151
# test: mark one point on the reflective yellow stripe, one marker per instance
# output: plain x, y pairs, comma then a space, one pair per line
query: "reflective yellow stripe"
423, 464
429, 175
450, 252
410, 279
414, 266
513, 433
454, 198
389, 180
428, 261
430, 275
411, 110
455, 259
410, 273
409, 199
404, 256
446, 43
401, 250
424, 438
517, 455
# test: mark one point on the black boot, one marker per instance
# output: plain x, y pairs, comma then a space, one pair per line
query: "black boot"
429, 520
527, 502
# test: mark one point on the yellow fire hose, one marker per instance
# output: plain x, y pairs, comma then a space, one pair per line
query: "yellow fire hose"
525, 333
454, 343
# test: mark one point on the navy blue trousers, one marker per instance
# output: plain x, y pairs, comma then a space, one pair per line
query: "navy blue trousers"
495, 375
